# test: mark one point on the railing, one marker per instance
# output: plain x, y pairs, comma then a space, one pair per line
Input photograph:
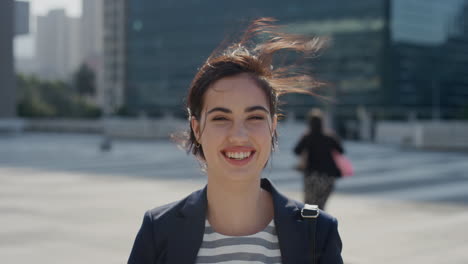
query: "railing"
450, 135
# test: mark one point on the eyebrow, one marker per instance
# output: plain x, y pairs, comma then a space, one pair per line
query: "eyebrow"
247, 110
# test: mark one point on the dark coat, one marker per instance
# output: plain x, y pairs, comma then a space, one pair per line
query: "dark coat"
173, 233
318, 148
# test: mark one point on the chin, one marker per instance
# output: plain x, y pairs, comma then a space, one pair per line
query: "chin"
236, 175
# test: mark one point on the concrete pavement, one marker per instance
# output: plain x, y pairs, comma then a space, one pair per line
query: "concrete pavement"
54, 217
60, 205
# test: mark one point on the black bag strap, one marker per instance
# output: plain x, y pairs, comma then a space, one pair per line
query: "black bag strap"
310, 213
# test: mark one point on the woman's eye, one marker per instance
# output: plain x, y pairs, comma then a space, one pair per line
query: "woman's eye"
256, 118
219, 118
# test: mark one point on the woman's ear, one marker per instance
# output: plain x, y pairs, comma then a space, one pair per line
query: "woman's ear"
195, 128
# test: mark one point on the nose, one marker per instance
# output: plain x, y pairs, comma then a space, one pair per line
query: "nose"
238, 133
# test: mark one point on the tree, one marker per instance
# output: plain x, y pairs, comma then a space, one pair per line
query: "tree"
39, 98
85, 80
30, 100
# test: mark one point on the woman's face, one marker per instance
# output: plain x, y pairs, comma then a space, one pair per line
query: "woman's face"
235, 128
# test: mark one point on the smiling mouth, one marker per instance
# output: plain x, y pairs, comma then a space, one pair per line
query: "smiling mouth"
238, 155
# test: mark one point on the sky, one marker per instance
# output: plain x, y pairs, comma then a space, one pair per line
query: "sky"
24, 45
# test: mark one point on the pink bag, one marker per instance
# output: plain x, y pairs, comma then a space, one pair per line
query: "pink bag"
343, 164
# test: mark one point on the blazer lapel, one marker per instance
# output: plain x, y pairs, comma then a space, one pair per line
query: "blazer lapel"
190, 224
292, 230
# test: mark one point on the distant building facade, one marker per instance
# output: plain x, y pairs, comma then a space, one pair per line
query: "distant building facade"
21, 17
388, 57
14, 20
92, 30
57, 52
112, 88
63, 43
91, 34
429, 46
7, 79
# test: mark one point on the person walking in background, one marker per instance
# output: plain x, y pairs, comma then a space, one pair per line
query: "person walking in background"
320, 170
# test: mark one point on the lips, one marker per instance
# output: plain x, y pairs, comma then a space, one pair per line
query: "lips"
238, 155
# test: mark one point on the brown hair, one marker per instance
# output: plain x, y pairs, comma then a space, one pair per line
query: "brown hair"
255, 59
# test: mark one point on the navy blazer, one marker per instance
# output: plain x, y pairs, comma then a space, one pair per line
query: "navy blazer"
173, 233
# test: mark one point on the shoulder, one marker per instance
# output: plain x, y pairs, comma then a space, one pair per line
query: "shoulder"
156, 223
332, 137
328, 241
161, 223
325, 221
329, 244
305, 138
164, 215
164, 211
328, 237
326, 218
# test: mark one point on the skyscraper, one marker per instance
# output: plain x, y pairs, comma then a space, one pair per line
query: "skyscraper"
391, 57
92, 25
7, 77
111, 90
54, 49
92, 29
429, 41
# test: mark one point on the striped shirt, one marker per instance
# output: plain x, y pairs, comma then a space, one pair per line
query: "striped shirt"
259, 248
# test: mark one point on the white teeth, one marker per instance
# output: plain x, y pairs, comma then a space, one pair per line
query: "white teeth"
238, 155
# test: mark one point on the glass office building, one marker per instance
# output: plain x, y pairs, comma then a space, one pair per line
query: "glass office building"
429, 41
7, 75
392, 57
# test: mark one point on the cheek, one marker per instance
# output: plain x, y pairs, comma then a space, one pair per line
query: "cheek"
262, 134
211, 139
214, 132
261, 128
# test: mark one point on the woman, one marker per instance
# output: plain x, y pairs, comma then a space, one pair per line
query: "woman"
238, 217
320, 169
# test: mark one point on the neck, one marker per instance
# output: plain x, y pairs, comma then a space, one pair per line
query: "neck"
238, 208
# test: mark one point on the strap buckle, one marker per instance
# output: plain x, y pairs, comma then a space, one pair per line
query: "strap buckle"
310, 211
